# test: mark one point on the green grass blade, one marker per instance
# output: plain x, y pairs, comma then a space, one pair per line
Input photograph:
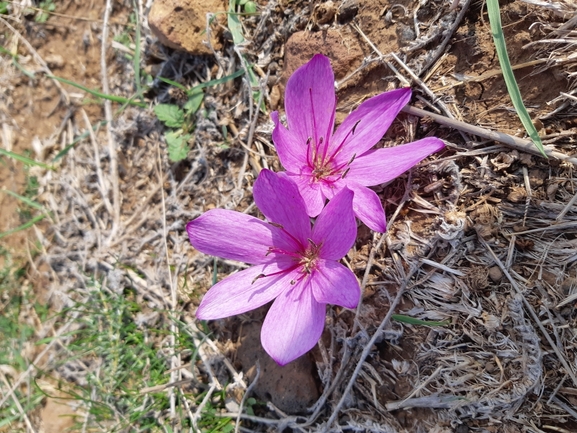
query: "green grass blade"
15, 62
23, 199
172, 83
210, 83
113, 98
214, 272
412, 321
78, 139
234, 24
23, 226
512, 87
136, 64
217, 81
24, 159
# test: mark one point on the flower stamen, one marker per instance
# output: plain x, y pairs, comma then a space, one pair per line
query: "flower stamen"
351, 132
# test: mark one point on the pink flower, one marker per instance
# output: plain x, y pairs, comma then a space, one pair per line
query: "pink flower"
322, 163
294, 264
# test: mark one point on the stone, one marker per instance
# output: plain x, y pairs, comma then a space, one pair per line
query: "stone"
495, 274
55, 61
181, 24
291, 388
341, 46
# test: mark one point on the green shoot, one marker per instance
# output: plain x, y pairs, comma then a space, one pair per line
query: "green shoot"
412, 321
24, 226
136, 64
78, 139
45, 7
113, 98
24, 159
15, 61
512, 87
24, 200
234, 24
181, 120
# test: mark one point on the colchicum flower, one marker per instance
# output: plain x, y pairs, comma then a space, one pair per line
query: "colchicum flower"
322, 163
293, 263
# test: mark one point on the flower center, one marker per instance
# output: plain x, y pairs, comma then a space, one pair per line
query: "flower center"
304, 258
324, 167
321, 158
308, 260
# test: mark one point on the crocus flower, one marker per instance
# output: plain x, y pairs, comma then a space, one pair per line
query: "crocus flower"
322, 163
293, 263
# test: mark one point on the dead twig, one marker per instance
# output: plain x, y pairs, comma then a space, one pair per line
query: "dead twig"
509, 140
367, 349
108, 115
531, 311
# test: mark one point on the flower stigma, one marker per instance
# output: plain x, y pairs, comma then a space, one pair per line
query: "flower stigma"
322, 164
305, 260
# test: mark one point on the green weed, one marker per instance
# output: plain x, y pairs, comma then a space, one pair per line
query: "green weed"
181, 120
16, 303
45, 7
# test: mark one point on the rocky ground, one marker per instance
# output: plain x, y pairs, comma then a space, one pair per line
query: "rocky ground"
481, 237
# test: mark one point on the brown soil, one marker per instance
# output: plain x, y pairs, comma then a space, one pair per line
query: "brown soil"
39, 110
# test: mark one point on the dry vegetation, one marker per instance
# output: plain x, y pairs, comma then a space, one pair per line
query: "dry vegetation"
482, 236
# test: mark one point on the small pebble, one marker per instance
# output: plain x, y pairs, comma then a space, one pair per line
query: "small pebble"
55, 61
495, 274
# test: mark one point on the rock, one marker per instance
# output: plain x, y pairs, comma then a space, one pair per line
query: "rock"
341, 46
181, 24
291, 388
55, 61
495, 274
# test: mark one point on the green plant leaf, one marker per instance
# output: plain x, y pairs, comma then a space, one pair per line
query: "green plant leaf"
23, 199
177, 145
172, 83
234, 24
24, 159
512, 87
250, 7
194, 102
113, 98
412, 321
23, 226
171, 115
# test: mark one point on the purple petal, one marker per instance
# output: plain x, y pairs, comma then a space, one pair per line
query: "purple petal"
310, 100
333, 283
244, 291
382, 165
291, 150
311, 193
368, 208
331, 187
335, 229
293, 324
278, 198
372, 119
231, 235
